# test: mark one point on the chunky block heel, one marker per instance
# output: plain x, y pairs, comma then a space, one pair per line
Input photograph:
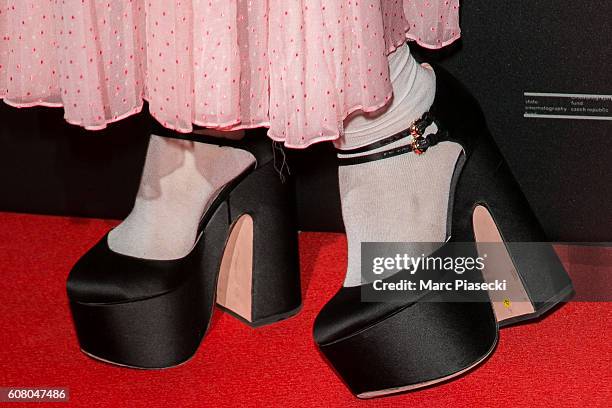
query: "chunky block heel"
154, 313
268, 288
427, 337
491, 208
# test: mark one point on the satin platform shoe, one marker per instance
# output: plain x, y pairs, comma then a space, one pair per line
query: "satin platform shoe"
381, 348
153, 314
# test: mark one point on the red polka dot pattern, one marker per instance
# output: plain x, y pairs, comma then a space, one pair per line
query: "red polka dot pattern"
298, 68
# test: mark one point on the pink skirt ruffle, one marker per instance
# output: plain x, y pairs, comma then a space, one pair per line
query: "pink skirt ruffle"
296, 67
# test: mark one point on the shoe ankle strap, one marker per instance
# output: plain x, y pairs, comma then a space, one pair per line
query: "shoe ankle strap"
418, 145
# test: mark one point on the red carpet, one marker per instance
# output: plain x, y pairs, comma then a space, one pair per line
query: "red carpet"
565, 360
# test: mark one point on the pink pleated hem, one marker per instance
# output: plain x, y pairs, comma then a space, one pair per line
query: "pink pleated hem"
31, 104
230, 126
425, 45
409, 37
236, 125
134, 111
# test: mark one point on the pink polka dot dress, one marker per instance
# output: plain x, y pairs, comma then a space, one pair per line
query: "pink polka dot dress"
296, 67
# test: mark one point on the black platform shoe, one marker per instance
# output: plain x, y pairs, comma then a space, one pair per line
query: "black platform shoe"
380, 348
153, 314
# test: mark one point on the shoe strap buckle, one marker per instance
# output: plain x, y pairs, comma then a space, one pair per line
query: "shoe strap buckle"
419, 144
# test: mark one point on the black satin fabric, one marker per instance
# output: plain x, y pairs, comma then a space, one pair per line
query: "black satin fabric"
157, 332
346, 313
484, 180
104, 276
276, 289
382, 346
385, 347
153, 314
147, 314
487, 180
427, 342
460, 114
457, 111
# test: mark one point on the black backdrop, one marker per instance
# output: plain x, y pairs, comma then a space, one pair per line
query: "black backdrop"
549, 49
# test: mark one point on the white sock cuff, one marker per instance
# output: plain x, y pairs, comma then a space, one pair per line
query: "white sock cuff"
413, 93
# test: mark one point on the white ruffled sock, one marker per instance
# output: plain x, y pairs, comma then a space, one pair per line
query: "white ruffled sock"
402, 198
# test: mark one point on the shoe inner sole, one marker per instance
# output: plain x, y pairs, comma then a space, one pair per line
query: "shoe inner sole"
514, 301
235, 285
